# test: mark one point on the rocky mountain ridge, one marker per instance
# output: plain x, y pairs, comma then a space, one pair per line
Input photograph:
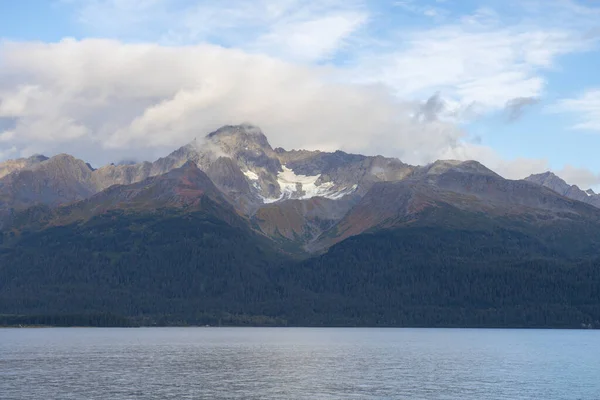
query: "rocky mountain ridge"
10, 166
308, 200
555, 183
238, 159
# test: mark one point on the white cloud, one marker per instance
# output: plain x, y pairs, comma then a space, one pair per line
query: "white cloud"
520, 167
93, 96
585, 108
582, 177
478, 61
516, 168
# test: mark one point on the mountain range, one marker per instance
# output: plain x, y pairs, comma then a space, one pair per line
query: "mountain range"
227, 224
310, 199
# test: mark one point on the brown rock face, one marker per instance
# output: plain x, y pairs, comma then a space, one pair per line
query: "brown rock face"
300, 221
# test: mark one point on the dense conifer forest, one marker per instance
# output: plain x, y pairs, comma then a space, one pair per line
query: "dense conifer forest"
132, 269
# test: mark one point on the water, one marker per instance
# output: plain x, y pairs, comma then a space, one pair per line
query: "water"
255, 363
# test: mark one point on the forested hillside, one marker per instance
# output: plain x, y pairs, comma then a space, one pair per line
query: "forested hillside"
170, 268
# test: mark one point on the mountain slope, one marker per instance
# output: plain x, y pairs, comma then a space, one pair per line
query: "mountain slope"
196, 269
297, 223
170, 245
59, 180
10, 166
307, 200
445, 277
553, 182
182, 190
135, 264
465, 195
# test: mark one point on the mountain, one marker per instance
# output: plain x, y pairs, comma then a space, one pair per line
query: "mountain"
226, 155
242, 164
193, 268
462, 195
238, 159
431, 276
181, 190
303, 200
226, 228
553, 182
11, 166
168, 244
275, 175
52, 181
298, 223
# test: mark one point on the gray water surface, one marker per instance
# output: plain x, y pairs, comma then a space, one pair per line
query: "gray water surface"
295, 363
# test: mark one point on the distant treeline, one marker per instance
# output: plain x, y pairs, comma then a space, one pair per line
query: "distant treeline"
95, 320
111, 320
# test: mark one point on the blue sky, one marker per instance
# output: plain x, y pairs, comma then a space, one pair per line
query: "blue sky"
513, 84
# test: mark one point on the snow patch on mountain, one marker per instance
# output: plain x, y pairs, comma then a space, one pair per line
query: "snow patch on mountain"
303, 187
341, 193
251, 175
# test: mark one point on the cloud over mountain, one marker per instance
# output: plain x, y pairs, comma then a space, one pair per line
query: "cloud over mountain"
319, 75
94, 94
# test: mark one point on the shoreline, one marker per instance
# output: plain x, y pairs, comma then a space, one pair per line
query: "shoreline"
299, 327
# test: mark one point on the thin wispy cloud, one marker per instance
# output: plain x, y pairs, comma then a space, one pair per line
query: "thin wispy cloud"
585, 109
292, 29
422, 8
482, 63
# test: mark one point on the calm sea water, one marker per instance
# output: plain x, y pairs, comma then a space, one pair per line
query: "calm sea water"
260, 363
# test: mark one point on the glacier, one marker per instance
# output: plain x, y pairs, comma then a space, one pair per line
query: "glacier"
302, 187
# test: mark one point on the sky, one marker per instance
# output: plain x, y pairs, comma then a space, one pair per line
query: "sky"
512, 84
